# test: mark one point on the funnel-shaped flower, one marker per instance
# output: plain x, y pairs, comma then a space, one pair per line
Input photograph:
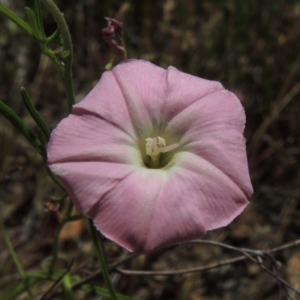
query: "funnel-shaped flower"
155, 157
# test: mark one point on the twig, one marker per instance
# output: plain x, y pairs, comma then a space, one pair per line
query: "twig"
184, 271
97, 274
241, 250
260, 263
285, 246
276, 109
245, 255
7, 176
57, 281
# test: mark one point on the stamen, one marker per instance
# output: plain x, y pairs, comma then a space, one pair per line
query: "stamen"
155, 146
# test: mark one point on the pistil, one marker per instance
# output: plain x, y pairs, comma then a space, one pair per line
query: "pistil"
154, 147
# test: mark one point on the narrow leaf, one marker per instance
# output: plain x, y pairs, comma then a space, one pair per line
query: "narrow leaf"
103, 292
34, 24
67, 282
55, 37
18, 21
38, 16
34, 113
14, 119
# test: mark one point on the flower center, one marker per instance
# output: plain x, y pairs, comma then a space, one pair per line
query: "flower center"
155, 147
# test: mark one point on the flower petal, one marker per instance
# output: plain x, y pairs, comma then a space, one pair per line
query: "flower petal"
107, 101
155, 213
143, 88
88, 182
77, 139
218, 198
166, 207
154, 95
184, 89
161, 208
212, 128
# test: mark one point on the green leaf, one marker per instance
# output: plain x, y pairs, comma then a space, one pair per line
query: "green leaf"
65, 53
13, 291
34, 23
14, 18
67, 282
34, 113
38, 16
44, 274
16, 121
55, 37
103, 292
16, 290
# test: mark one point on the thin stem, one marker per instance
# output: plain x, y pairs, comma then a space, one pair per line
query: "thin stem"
102, 258
15, 259
66, 37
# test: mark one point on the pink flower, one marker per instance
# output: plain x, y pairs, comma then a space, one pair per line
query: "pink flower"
155, 157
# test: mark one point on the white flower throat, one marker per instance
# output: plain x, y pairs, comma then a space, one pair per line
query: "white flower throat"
154, 147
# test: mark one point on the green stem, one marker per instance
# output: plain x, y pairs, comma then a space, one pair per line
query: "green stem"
15, 259
102, 258
66, 37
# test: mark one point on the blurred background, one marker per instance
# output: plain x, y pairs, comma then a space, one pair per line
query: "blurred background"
253, 48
